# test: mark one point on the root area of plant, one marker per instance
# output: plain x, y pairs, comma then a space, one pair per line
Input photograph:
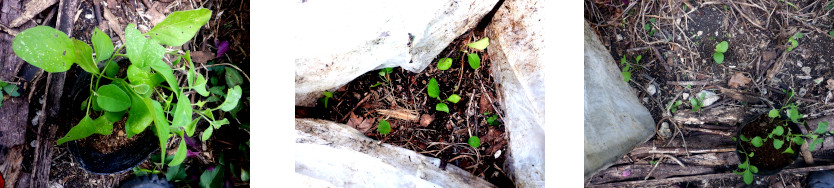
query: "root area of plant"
401, 98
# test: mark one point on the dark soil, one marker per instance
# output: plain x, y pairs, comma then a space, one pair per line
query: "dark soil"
446, 135
767, 158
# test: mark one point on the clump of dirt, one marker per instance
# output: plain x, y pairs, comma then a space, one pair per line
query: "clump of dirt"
401, 98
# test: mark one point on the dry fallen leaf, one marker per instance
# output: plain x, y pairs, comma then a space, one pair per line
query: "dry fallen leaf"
425, 120
830, 85
201, 57
739, 79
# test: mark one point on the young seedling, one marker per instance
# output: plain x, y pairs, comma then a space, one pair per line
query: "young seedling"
434, 92
383, 127
9, 89
793, 41
141, 94
474, 141
747, 169
384, 74
720, 48
674, 106
697, 102
327, 96
650, 27
627, 68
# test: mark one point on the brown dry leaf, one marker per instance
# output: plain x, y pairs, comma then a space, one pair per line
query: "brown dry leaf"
354, 120
425, 120
491, 135
403, 114
830, 84
201, 57
739, 79
365, 126
485, 105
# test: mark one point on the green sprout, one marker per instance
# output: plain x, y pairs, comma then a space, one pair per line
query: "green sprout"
720, 48
793, 41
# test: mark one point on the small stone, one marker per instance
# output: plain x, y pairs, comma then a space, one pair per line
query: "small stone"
664, 131
619, 37
121, 133
709, 97
700, 33
802, 92
645, 100
819, 80
88, 16
34, 144
497, 154
806, 70
685, 96
652, 89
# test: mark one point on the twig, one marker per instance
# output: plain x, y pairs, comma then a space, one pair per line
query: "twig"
684, 83
678, 151
710, 131
667, 181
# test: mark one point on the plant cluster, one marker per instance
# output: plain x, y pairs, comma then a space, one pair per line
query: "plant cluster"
793, 41
720, 48
8, 88
697, 102
779, 136
142, 94
627, 67
650, 26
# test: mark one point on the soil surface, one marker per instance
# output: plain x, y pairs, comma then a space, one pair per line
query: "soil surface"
227, 149
676, 41
401, 98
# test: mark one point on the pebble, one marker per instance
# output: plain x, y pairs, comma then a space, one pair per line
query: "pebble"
619, 37
652, 89
497, 154
34, 144
806, 70
664, 131
802, 92
88, 16
685, 96
709, 97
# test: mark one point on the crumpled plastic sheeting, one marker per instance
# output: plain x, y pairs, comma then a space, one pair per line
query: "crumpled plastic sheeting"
333, 153
516, 44
615, 121
331, 51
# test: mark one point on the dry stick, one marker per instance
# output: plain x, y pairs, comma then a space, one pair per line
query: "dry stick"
683, 83
667, 181
745, 16
490, 100
710, 131
655, 167
678, 151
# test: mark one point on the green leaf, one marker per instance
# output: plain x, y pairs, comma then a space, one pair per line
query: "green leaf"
474, 141
492, 120
114, 116
444, 64
751, 154
218, 90
11, 89
165, 70
778, 130
480, 44
84, 56
137, 76
454, 98
212, 178
748, 177
754, 169
232, 97
112, 99
103, 45
141, 89
789, 150
182, 114
474, 60
87, 127
46, 48
180, 156
244, 175
175, 173
637, 59
813, 145
180, 26
626, 76
218, 123
831, 33
160, 122
112, 68
141, 115
200, 85
778, 143
774, 113
442, 107
718, 57
757, 141
433, 88
793, 114
744, 138
327, 94
141, 50
191, 127
233, 77
383, 127
206, 134
722, 47
798, 140
822, 127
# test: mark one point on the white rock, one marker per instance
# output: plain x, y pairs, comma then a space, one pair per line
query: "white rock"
664, 131
619, 37
652, 89
330, 51
516, 49
497, 154
685, 96
709, 97
806, 70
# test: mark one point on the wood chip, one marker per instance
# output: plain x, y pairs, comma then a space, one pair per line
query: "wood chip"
425, 120
113, 21
402, 114
738, 80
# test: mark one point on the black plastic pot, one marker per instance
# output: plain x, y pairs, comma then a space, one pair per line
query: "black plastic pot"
95, 161
761, 159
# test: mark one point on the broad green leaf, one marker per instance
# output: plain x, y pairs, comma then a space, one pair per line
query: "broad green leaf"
114, 116
112, 68
474, 60
751, 154
212, 178
822, 127
718, 57
11, 89
112, 99
180, 26
442, 107
218, 90
140, 115
754, 169
218, 123
87, 127
200, 85
163, 69
244, 175
444, 64
141, 89
206, 134
474, 141
233, 77
626, 76
232, 97
480, 44
774, 113
175, 173
383, 127
327, 94
789, 150
722, 47
182, 114
103, 45
84, 56
433, 88
757, 141
778, 131
138, 76
798, 140
744, 138
454, 98
46, 48
813, 145
180, 156
191, 127
189, 76
160, 122
748, 177
778, 143
141, 50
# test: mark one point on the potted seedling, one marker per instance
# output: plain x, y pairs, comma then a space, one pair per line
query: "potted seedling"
150, 94
770, 143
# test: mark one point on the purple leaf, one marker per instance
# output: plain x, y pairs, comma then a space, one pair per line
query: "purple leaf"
625, 1
222, 47
190, 153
